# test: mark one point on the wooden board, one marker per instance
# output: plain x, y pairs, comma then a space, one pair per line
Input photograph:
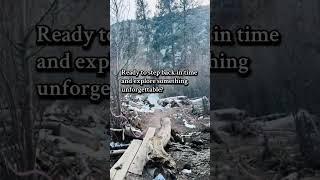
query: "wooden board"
140, 159
120, 168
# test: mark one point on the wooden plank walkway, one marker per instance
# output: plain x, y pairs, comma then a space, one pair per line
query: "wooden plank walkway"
120, 168
133, 159
140, 160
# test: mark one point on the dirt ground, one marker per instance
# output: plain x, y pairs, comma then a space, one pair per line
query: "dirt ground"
192, 155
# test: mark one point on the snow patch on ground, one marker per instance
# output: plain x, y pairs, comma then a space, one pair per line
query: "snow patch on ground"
191, 126
153, 99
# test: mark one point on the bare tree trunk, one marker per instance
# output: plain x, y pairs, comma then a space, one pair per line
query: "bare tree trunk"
28, 154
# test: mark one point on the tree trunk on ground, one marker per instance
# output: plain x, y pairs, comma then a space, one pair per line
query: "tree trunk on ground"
158, 142
154, 152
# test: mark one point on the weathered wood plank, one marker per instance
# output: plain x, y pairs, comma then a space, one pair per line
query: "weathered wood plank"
120, 168
140, 159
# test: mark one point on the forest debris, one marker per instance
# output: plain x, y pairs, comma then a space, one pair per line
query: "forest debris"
286, 122
216, 137
64, 146
116, 130
230, 114
200, 106
240, 128
72, 134
204, 127
244, 171
180, 147
269, 117
117, 145
118, 121
173, 101
117, 152
189, 159
174, 104
133, 132
176, 136
308, 128
292, 176
78, 136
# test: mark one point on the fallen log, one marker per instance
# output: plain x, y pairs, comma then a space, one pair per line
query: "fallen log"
269, 117
157, 143
117, 152
152, 149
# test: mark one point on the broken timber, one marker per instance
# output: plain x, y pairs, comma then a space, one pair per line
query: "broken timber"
157, 144
133, 159
140, 159
132, 162
120, 168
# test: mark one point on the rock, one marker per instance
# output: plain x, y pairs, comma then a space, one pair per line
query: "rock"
177, 136
187, 166
198, 142
135, 104
174, 101
174, 104
185, 102
182, 98
163, 103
